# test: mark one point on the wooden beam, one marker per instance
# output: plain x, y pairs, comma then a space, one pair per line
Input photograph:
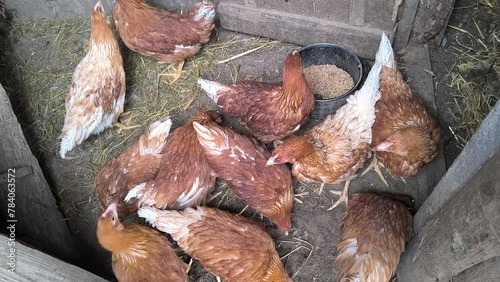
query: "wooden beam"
26, 201
464, 233
32, 265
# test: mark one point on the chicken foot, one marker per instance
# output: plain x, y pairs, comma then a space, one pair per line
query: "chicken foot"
321, 188
375, 166
125, 125
177, 73
344, 195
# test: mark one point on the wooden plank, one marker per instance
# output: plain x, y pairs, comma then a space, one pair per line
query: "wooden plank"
480, 148
405, 23
487, 271
464, 233
26, 200
33, 265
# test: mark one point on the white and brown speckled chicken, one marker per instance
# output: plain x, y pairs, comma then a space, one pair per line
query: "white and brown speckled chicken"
333, 151
405, 135
137, 164
230, 246
185, 178
374, 232
97, 93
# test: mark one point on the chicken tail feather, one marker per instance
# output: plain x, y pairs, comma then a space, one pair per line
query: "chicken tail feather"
150, 214
205, 10
212, 88
67, 142
172, 222
209, 137
135, 192
385, 54
156, 137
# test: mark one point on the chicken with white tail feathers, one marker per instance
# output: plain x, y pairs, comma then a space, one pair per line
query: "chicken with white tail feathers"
333, 151
230, 246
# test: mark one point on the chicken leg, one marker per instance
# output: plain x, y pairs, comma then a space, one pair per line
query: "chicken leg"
321, 188
375, 166
344, 196
178, 73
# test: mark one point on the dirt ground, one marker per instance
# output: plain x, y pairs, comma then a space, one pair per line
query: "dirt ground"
31, 56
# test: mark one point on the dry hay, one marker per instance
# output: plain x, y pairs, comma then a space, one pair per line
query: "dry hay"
43, 78
475, 77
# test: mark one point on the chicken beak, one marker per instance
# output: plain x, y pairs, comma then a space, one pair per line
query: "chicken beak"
111, 209
384, 146
271, 161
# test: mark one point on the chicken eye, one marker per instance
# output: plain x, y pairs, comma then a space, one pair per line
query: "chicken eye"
113, 219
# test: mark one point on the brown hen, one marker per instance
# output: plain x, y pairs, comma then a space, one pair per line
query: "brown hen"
139, 163
405, 135
374, 232
139, 253
334, 150
185, 178
96, 96
162, 34
241, 162
230, 246
271, 111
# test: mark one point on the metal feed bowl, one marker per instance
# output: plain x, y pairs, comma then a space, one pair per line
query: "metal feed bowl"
332, 54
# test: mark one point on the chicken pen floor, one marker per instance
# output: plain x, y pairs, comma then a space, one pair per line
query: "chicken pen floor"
41, 56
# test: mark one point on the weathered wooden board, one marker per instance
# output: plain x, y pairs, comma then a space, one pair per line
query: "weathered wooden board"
480, 148
33, 265
465, 232
432, 17
33, 212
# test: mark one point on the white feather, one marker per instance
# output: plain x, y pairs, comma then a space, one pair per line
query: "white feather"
212, 88
205, 11
385, 54
135, 192
172, 222
206, 137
